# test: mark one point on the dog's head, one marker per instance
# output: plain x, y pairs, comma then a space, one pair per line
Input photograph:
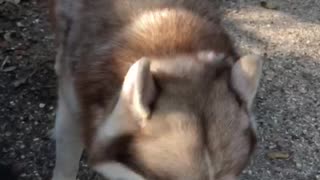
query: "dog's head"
180, 118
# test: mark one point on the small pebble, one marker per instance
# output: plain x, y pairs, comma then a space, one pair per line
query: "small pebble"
299, 165
303, 90
36, 21
19, 24
42, 105
8, 134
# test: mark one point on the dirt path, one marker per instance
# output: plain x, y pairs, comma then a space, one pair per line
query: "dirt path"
287, 106
288, 101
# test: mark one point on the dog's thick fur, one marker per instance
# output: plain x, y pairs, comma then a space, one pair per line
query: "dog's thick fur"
153, 89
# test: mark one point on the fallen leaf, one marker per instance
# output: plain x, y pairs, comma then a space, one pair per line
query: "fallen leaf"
7, 36
23, 80
8, 69
278, 155
269, 5
6, 59
19, 82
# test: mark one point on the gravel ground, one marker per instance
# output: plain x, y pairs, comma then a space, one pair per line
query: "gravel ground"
286, 33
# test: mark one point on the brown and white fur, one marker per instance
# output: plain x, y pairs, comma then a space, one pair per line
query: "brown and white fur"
153, 90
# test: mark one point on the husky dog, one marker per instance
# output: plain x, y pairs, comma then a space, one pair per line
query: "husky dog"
152, 90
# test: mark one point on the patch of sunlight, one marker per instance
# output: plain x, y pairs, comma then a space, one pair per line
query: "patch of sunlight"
278, 31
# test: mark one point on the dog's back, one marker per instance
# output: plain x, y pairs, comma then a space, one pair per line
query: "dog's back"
157, 87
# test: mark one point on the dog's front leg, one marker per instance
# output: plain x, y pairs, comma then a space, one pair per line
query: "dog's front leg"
68, 143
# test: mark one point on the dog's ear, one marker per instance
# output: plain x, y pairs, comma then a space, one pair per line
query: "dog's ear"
134, 104
246, 76
139, 90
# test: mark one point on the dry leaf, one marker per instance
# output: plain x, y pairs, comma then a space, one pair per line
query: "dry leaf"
19, 82
7, 36
5, 61
8, 69
269, 5
278, 155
